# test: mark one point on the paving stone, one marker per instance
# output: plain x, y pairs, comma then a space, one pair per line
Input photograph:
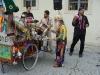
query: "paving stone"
73, 64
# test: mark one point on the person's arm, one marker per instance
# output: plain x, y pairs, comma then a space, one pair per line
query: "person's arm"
87, 22
50, 24
60, 36
64, 31
75, 22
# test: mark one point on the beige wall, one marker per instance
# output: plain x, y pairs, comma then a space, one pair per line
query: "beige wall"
93, 32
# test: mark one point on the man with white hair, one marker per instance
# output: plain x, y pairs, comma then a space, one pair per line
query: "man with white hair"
61, 41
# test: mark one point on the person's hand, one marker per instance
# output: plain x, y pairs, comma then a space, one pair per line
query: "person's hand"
74, 22
87, 25
49, 27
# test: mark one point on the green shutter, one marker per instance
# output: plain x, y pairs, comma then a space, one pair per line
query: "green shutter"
29, 3
24, 3
33, 3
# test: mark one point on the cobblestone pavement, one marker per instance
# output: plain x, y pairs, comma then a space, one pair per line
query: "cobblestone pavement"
87, 65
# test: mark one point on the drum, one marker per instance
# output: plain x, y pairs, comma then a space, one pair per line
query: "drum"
42, 29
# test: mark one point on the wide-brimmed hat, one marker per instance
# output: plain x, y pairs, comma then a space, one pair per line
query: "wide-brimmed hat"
58, 17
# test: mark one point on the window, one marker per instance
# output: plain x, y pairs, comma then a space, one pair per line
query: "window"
75, 4
30, 3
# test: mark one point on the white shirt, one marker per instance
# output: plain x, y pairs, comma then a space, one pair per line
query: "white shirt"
46, 21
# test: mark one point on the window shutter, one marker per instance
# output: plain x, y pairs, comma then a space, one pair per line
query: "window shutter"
33, 3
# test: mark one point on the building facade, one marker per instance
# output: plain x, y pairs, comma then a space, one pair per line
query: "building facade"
69, 10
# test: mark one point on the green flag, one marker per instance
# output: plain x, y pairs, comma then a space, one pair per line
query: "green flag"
10, 6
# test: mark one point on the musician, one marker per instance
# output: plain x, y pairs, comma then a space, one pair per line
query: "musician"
47, 21
61, 43
27, 18
28, 13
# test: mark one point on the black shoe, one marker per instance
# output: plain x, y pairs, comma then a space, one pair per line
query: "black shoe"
70, 53
80, 55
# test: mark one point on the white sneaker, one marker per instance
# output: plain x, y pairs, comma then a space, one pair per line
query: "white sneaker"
14, 63
63, 65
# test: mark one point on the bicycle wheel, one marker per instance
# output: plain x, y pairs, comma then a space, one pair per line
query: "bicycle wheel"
30, 56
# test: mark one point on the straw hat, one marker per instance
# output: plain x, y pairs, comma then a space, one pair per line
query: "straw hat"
58, 17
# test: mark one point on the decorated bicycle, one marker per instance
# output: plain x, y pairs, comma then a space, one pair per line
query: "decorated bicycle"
16, 40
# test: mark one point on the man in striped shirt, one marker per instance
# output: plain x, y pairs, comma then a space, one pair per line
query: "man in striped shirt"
80, 23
